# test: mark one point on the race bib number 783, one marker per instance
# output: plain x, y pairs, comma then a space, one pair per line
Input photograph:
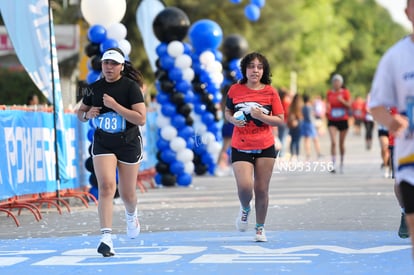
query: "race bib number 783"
110, 122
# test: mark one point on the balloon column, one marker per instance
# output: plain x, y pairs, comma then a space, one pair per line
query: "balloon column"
206, 36
174, 75
234, 47
252, 10
105, 32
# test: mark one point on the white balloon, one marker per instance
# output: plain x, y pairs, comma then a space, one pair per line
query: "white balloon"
199, 127
125, 46
116, 31
183, 61
162, 121
178, 144
103, 12
175, 48
217, 78
188, 74
207, 57
207, 138
189, 167
214, 67
185, 155
214, 148
168, 132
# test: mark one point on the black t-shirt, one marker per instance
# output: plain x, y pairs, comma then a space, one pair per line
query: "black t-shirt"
125, 91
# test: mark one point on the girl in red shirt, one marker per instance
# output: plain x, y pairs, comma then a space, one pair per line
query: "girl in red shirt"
253, 144
338, 104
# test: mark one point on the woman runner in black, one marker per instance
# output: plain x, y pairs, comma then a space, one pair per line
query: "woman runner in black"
115, 104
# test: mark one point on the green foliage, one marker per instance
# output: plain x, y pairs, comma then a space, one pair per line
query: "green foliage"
15, 87
374, 32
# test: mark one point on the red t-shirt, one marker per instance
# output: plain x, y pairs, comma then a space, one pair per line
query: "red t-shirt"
336, 110
256, 134
358, 109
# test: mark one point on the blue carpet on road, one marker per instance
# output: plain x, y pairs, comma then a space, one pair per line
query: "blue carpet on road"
193, 252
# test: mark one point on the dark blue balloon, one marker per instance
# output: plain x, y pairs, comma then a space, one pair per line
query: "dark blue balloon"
162, 98
178, 121
97, 34
182, 86
199, 108
190, 143
207, 158
252, 12
161, 49
107, 44
158, 179
207, 118
205, 34
187, 49
212, 168
189, 96
213, 128
90, 134
186, 132
94, 191
92, 76
168, 110
175, 74
184, 179
177, 167
199, 148
162, 144
168, 156
167, 62
236, 1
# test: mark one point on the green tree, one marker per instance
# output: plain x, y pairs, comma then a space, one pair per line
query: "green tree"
374, 32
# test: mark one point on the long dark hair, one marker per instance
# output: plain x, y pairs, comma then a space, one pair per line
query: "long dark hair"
129, 70
266, 78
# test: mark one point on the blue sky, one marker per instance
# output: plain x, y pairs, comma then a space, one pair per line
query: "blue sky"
396, 8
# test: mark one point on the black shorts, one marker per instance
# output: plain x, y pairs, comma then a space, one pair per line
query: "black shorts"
126, 146
237, 155
341, 125
382, 133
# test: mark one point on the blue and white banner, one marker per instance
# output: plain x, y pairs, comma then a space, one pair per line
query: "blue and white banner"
28, 153
30, 28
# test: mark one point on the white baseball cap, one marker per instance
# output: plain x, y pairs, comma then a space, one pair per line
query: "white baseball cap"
113, 55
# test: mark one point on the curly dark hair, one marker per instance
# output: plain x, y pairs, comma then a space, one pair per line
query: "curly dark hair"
129, 71
266, 78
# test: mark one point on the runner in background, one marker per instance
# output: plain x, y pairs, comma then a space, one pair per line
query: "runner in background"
319, 111
358, 113
338, 104
368, 124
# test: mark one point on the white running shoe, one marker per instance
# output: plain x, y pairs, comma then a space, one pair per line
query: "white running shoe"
133, 226
260, 234
242, 221
106, 248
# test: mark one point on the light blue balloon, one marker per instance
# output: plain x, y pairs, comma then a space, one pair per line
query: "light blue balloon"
252, 12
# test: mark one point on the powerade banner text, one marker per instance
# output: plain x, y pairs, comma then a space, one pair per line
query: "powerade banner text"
29, 24
27, 153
